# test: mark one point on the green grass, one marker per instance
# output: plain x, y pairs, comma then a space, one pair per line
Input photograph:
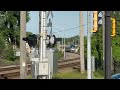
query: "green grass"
4, 62
77, 75
7, 62
69, 75
29, 76
99, 74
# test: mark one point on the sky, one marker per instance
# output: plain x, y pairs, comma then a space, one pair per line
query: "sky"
62, 20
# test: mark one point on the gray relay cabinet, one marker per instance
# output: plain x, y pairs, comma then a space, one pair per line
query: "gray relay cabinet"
52, 56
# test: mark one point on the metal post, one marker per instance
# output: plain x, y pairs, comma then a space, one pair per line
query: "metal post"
44, 67
41, 38
64, 46
44, 36
111, 60
107, 45
81, 44
58, 45
93, 66
103, 24
75, 42
93, 63
23, 66
88, 47
114, 67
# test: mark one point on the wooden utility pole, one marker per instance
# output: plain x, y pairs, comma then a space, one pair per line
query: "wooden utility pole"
23, 65
82, 64
103, 24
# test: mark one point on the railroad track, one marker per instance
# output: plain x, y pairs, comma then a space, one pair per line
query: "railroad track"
68, 63
13, 71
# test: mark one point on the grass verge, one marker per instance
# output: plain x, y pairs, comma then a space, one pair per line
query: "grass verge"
77, 75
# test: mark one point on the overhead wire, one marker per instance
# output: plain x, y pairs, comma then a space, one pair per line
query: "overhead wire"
69, 29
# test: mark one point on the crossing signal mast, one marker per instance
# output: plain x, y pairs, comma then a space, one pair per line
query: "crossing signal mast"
40, 64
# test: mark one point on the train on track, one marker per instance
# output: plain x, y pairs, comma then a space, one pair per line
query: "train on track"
71, 48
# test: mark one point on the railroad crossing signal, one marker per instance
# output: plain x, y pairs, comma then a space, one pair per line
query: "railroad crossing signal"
51, 40
31, 39
96, 21
113, 27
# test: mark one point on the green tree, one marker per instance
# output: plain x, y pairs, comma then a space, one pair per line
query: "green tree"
10, 25
10, 29
2, 45
116, 39
28, 33
97, 43
116, 48
10, 53
97, 47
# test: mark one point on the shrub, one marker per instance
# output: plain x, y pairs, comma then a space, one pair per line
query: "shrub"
9, 54
2, 45
60, 54
6, 62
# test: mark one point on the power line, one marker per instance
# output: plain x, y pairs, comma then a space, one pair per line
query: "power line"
70, 28
66, 29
